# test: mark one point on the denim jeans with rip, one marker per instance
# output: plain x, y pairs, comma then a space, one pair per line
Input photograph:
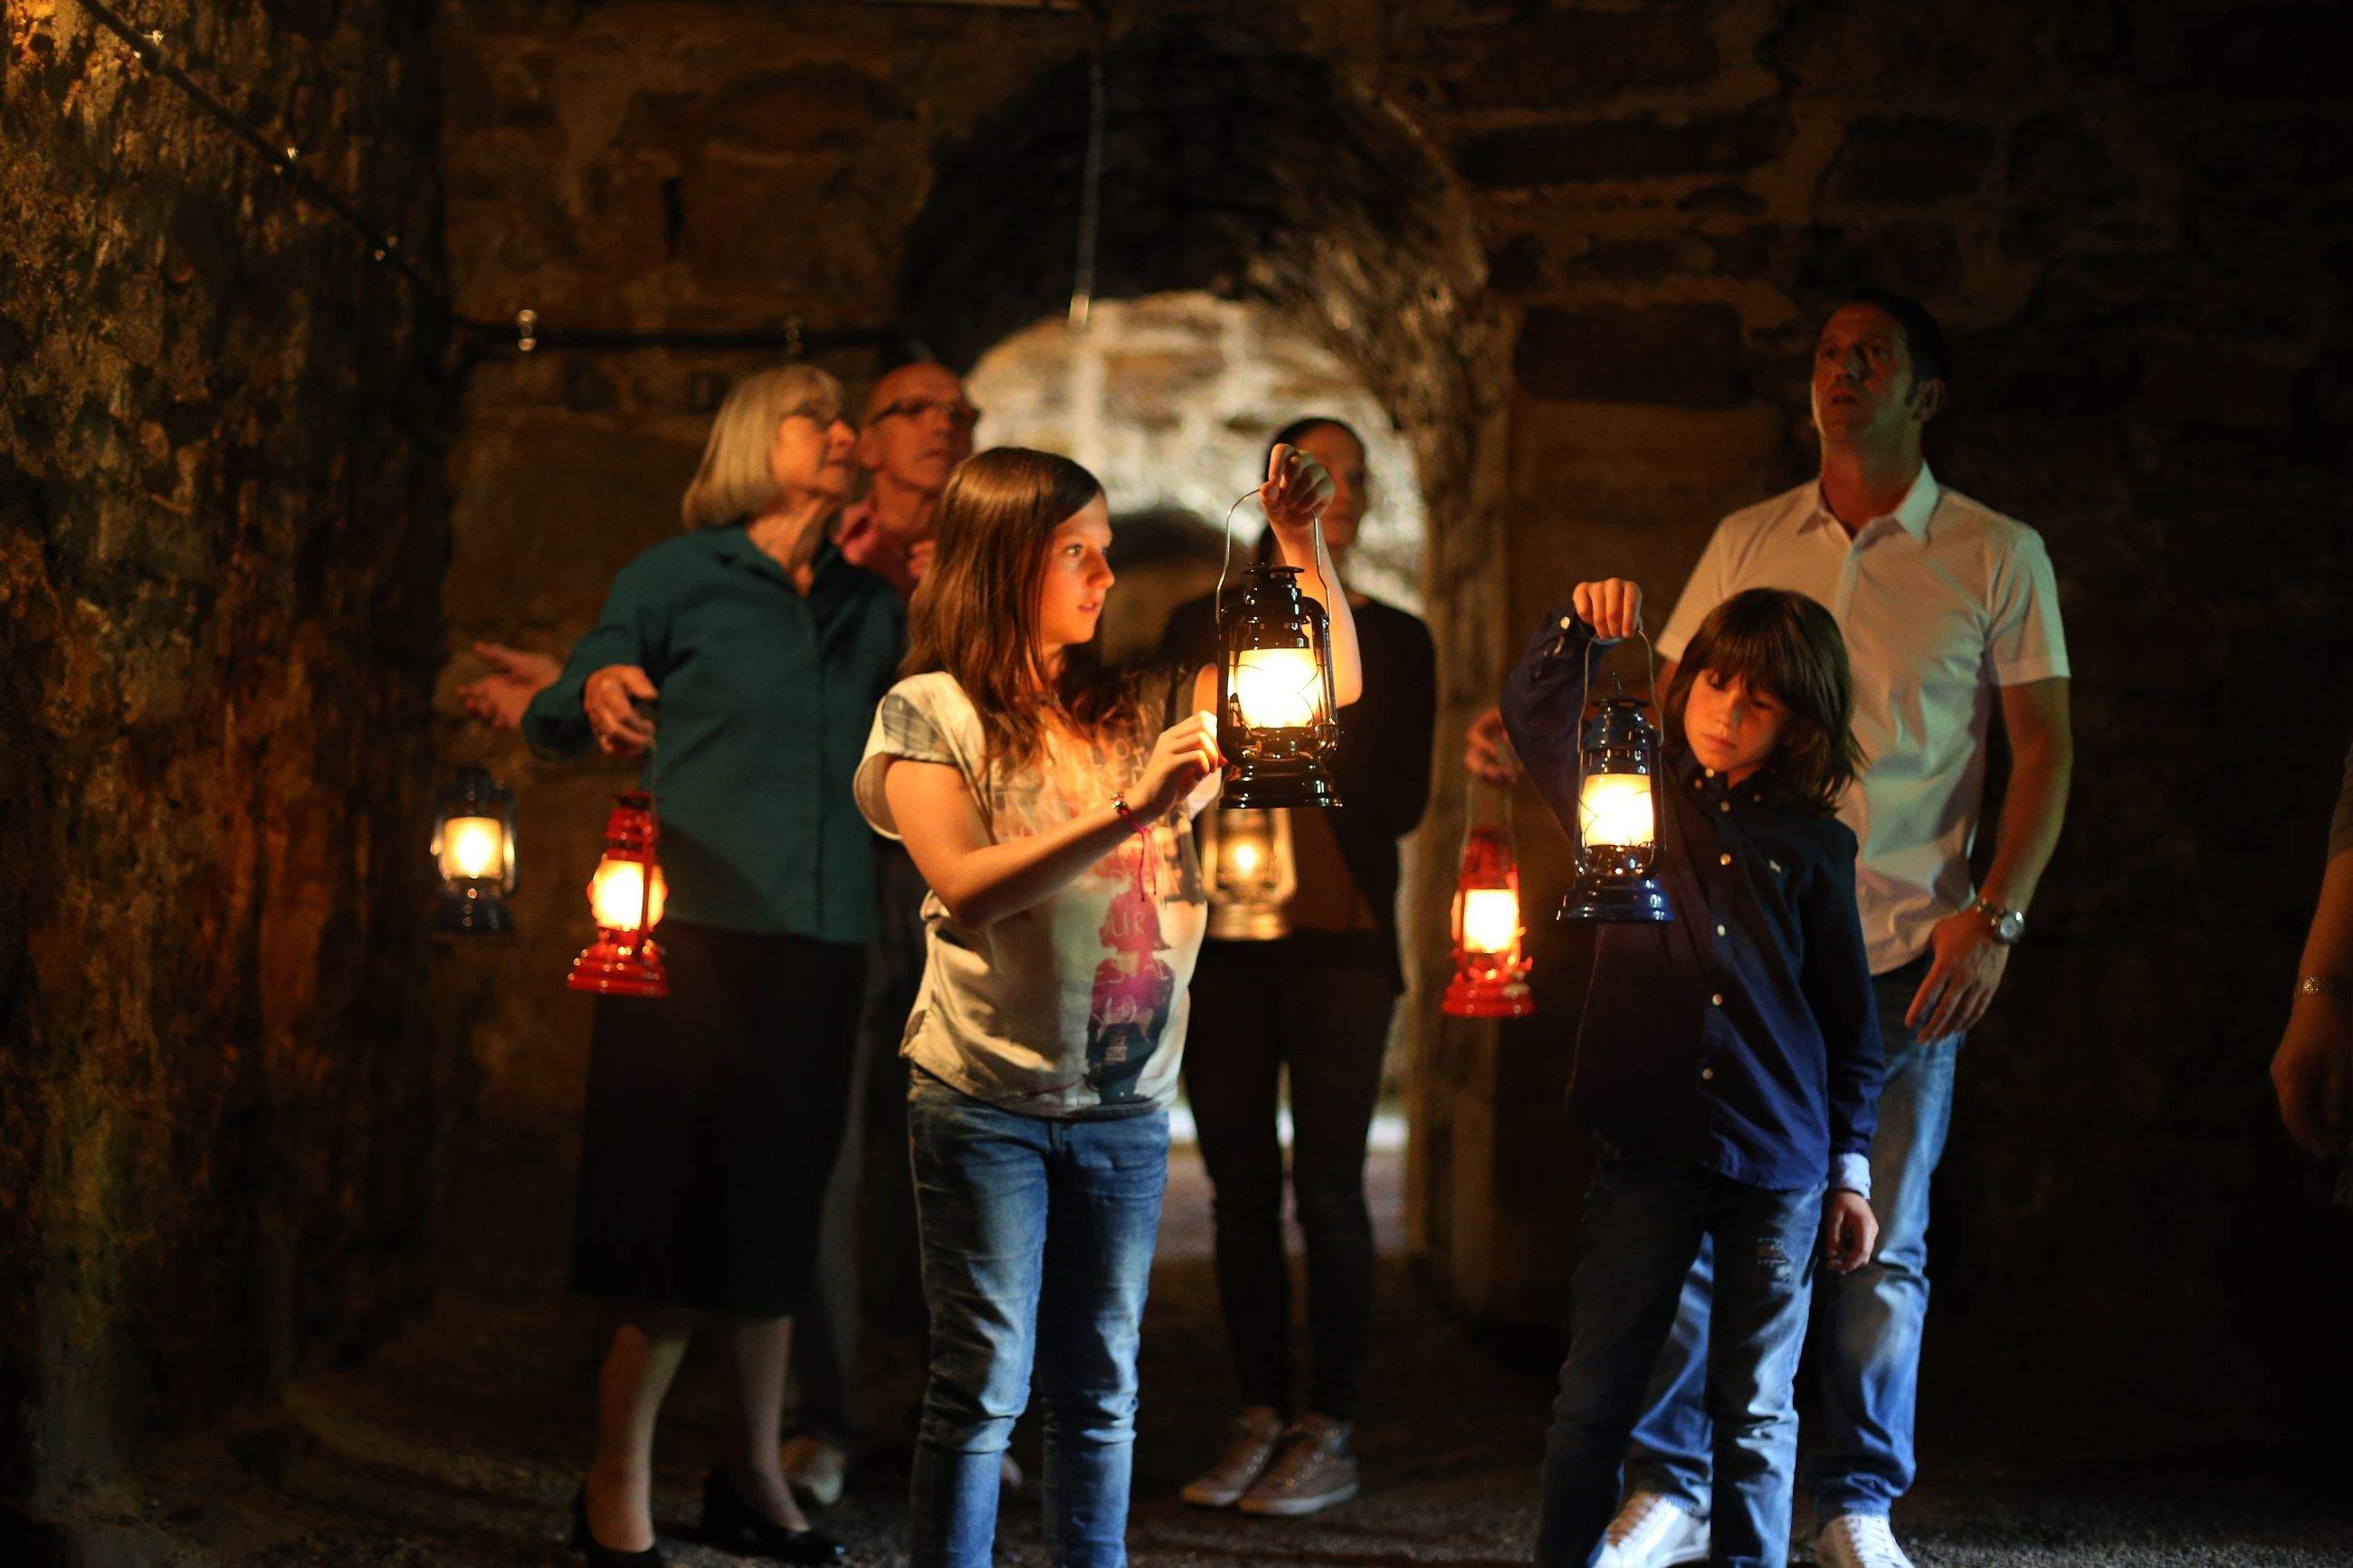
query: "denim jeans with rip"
1871, 1318
1644, 1223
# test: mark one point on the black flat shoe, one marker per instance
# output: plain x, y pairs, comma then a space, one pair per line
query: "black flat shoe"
729, 1524
583, 1541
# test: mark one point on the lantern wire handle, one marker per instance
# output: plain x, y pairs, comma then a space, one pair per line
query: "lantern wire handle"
1471, 813
1226, 556
1651, 655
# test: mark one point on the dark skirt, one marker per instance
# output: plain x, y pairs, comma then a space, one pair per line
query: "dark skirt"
712, 1123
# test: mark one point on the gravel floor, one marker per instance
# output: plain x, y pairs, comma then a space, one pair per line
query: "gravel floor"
461, 1443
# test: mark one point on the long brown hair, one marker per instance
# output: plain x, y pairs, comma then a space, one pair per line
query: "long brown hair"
1786, 645
975, 615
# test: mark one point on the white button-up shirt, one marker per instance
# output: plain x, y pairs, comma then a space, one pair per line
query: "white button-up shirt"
1942, 602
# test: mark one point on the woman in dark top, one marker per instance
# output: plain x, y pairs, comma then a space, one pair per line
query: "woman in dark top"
712, 1115
1317, 1003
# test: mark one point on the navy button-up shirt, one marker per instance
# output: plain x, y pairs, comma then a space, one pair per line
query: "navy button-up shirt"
1741, 1036
767, 695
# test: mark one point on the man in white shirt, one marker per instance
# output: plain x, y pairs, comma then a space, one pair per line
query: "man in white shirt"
1950, 613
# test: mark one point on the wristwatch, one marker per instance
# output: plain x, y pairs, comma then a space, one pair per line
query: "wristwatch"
2009, 925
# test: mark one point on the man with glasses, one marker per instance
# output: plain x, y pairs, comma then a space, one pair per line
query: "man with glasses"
918, 428
864, 1342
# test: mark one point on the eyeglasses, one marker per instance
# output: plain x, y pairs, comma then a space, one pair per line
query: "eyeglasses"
960, 415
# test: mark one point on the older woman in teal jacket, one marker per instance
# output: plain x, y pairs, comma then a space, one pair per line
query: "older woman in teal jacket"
743, 659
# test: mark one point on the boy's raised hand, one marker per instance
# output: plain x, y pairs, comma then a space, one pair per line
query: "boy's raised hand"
1611, 607
1849, 1231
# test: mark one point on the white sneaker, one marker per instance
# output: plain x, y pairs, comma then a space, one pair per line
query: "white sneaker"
1315, 1468
1652, 1531
1248, 1450
1859, 1540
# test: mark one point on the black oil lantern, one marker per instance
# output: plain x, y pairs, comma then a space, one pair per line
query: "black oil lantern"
1617, 818
473, 850
1275, 707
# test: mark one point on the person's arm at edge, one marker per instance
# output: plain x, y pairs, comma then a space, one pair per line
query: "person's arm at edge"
2312, 1070
1967, 967
1301, 546
553, 724
1837, 984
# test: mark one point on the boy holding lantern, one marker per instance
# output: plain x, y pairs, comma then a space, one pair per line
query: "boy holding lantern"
1729, 1059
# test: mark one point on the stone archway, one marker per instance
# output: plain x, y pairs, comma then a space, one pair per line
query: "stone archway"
1254, 174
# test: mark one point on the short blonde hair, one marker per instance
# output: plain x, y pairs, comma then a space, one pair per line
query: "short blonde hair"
733, 480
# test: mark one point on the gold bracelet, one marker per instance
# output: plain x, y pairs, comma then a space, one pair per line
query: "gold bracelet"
2323, 986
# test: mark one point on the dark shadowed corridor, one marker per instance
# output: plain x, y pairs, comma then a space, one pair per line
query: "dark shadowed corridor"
459, 1443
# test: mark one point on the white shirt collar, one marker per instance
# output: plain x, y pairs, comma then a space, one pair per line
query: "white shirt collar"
1912, 514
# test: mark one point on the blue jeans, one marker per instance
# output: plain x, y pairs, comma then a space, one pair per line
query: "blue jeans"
1870, 1349
1644, 1223
1036, 1233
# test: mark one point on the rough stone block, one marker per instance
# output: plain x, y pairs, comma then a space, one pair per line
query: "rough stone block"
809, 108
1921, 258
549, 509
1913, 159
2205, 382
1570, 454
2056, 160
1684, 354
1558, 58
1531, 156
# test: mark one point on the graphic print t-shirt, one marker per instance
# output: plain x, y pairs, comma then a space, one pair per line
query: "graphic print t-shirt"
1075, 1007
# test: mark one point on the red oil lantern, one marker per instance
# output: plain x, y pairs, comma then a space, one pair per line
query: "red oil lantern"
1490, 972
625, 895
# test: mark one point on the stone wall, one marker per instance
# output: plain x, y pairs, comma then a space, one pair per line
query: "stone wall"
1580, 252
1170, 401
222, 538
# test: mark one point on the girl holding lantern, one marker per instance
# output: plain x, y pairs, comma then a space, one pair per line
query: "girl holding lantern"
1049, 805
1729, 1058
1305, 991
712, 1115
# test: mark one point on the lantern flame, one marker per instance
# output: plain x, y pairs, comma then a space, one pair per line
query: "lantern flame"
473, 847
618, 894
1614, 809
1491, 919
1278, 687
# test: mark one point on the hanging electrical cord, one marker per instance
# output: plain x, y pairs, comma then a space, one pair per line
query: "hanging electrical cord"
1082, 282
526, 333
